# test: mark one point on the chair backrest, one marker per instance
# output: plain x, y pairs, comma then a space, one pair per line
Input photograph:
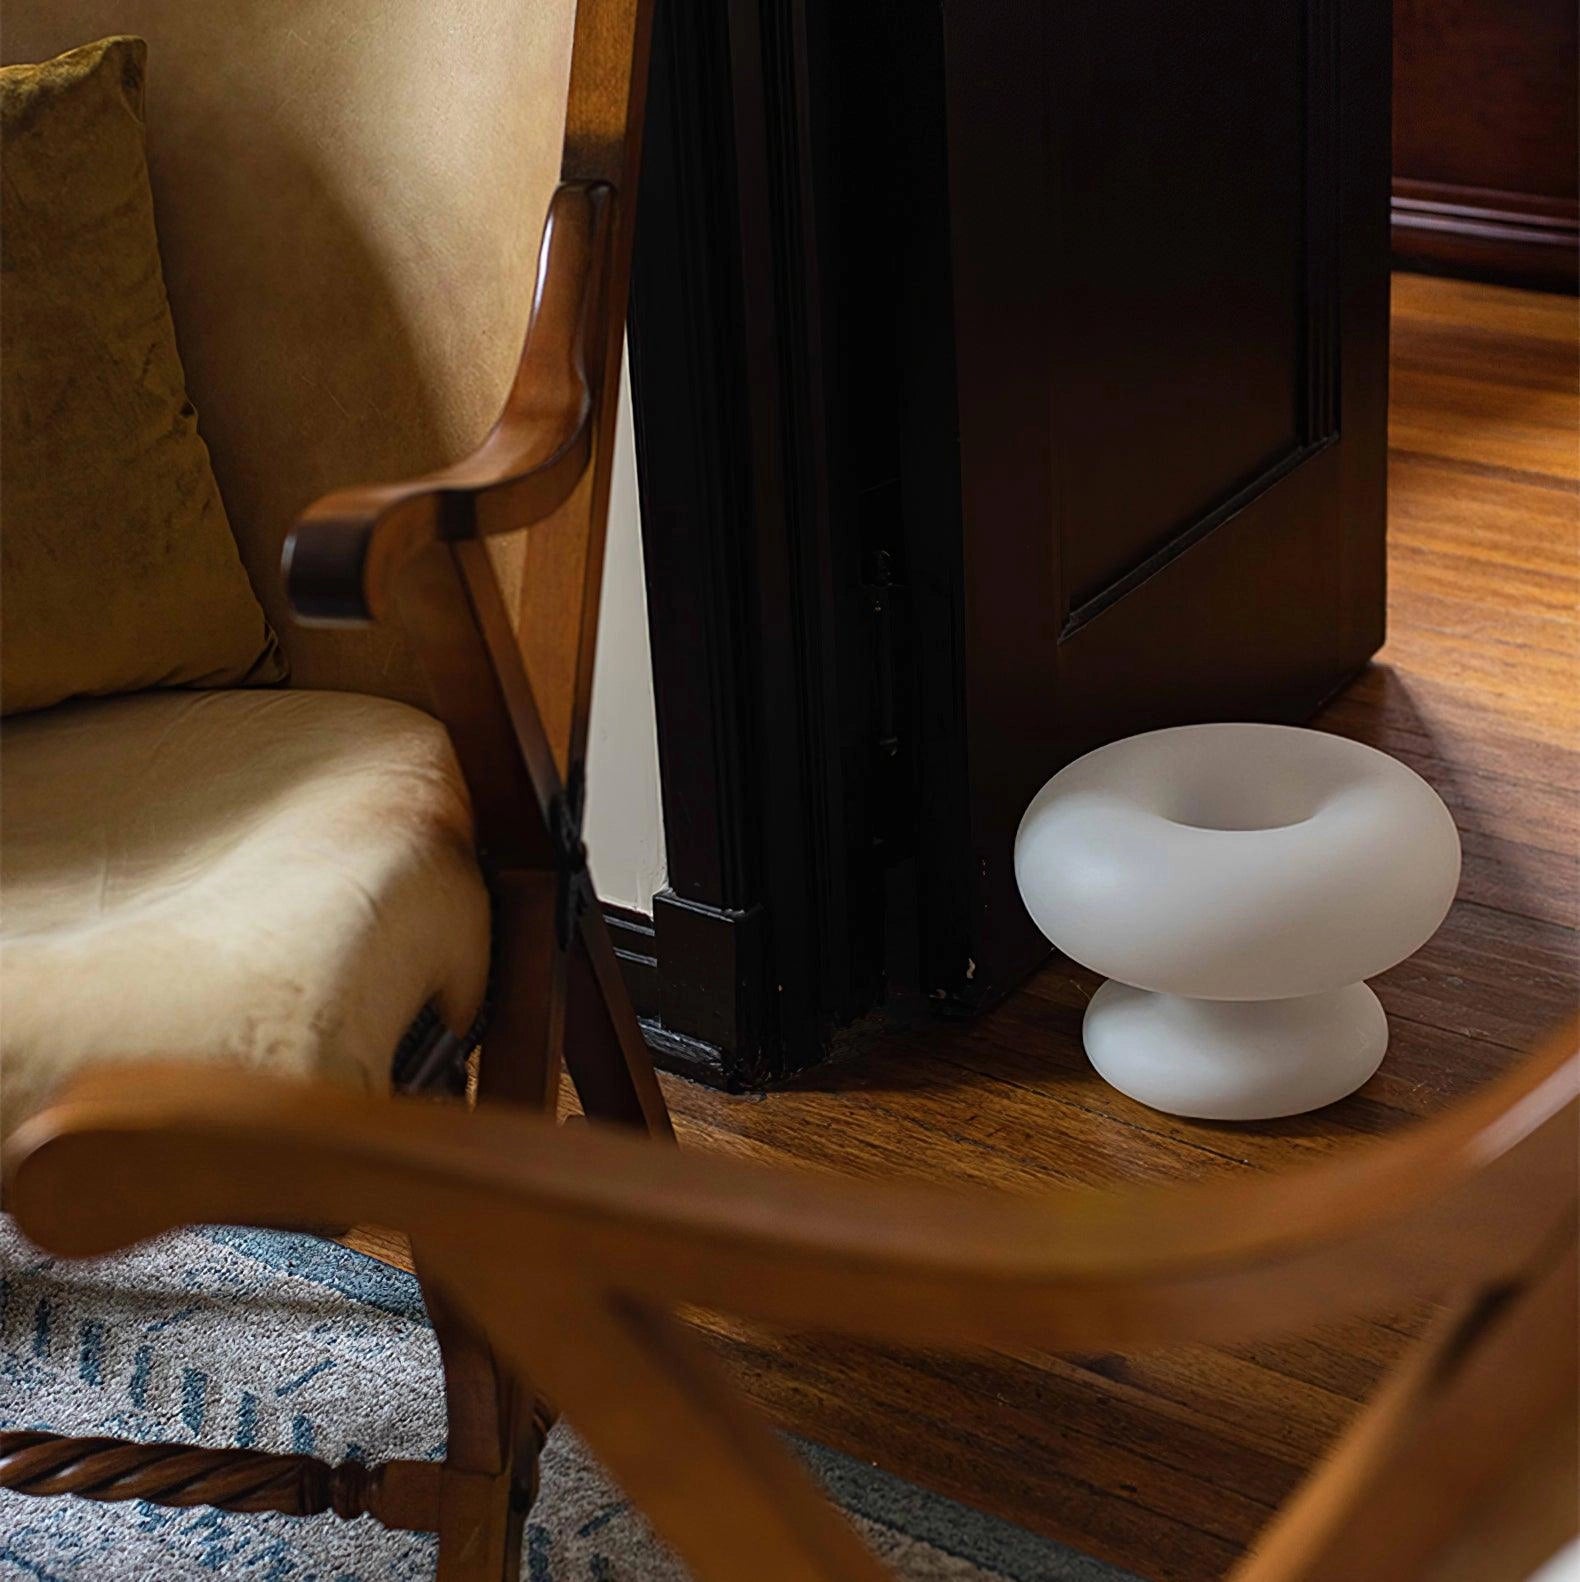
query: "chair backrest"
574, 1249
350, 195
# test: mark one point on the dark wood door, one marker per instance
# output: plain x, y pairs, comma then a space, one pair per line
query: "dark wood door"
1008, 377
1169, 247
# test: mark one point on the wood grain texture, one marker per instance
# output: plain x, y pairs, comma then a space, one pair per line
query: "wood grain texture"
1168, 1462
571, 1248
396, 1493
1484, 128
1238, 571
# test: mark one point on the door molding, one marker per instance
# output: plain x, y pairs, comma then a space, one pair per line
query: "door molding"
1317, 423
754, 939
1515, 238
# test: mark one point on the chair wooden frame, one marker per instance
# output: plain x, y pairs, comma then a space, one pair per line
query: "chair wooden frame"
573, 1251
515, 695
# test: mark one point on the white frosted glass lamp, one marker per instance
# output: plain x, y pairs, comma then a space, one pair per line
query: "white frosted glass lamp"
1236, 883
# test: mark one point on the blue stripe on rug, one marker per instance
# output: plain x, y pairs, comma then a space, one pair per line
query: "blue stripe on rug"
327, 1263
247, 1421
984, 1541
41, 1321
194, 1399
90, 1352
142, 1372
28, 1567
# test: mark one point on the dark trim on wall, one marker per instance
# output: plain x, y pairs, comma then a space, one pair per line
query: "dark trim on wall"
713, 979
712, 984
636, 949
753, 941
1511, 238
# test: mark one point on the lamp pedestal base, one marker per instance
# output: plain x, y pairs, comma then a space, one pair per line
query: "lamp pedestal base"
1235, 1060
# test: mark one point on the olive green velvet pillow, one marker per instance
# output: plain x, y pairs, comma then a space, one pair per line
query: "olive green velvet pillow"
117, 566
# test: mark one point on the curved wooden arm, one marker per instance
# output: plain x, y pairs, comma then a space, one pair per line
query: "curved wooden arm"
570, 1251
340, 557
1465, 1198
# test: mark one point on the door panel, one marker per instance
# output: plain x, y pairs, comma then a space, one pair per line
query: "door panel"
1232, 211
1170, 315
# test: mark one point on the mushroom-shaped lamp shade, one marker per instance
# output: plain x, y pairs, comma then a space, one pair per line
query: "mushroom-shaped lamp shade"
1237, 882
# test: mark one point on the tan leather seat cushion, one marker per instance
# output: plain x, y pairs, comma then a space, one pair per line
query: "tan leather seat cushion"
280, 879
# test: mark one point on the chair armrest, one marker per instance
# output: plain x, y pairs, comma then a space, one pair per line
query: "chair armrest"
569, 1254
342, 555
1462, 1200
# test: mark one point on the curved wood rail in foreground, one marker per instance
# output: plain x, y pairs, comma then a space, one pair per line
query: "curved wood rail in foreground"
1468, 1195
345, 550
572, 1249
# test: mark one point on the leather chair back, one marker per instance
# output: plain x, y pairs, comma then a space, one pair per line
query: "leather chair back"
349, 196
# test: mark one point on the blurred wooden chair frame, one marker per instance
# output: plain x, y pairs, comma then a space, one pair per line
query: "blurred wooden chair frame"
516, 703
572, 1251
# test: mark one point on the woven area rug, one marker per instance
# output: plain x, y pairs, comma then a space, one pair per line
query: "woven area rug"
285, 1342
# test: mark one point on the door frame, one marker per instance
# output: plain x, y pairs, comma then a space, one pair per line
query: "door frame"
830, 193
763, 941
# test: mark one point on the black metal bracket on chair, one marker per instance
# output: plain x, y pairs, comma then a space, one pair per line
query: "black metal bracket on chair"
570, 856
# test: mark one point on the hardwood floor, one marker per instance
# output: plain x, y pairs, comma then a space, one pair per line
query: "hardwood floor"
1168, 1463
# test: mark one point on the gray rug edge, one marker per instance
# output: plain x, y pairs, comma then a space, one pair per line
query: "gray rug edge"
989, 1542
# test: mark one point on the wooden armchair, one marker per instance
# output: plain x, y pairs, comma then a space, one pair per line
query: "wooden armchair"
572, 1250
348, 196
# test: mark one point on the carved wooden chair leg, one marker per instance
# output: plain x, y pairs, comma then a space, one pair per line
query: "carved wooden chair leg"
402, 1494
490, 1473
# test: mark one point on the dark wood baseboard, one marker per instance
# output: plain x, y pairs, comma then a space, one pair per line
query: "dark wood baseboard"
1511, 238
636, 950
772, 931
698, 978
688, 1057
713, 982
